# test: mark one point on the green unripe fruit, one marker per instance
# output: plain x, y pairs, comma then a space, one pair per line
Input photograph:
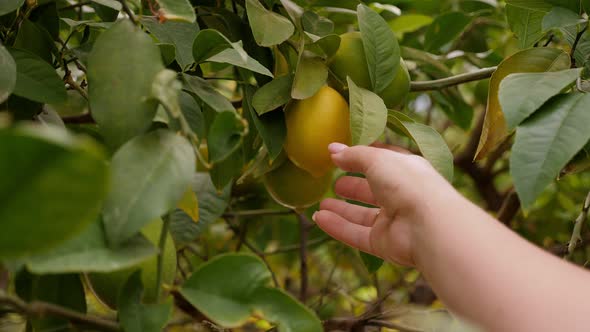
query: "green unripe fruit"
350, 61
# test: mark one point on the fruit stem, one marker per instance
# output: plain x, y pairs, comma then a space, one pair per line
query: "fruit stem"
161, 246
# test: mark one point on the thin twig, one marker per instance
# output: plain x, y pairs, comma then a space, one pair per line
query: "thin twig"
70, 81
296, 247
510, 208
162, 247
129, 12
453, 80
577, 233
42, 309
256, 251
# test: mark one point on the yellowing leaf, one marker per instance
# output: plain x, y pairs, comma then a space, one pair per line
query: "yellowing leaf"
189, 204
534, 60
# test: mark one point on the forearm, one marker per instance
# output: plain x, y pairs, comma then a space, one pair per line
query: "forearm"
487, 274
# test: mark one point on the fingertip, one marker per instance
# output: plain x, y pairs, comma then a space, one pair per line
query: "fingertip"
336, 148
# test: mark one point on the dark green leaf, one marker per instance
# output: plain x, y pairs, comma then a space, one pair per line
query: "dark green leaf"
121, 68
207, 94
271, 127
90, 252
547, 142
368, 115
8, 74
168, 52
192, 113
445, 29
212, 204
36, 79
225, 136
43, 159
372, 263
210, 42
521, 95
229, 288
7, 6
223, 173
114, 4
525, 17
381, 48
150, 174
63, 290
233, 57
269, 28
560, 17
316, 24
180, 34
35, 39
310, 76
177, 10
138, 317
273, 95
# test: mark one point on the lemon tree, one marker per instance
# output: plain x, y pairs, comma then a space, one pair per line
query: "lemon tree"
161, 159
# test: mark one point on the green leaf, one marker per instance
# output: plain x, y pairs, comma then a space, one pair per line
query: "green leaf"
207, 94
368, 115
326, 46
316, 24
521, 95
560, 17
223, 173
166, 89
168, 52
90, 252
525, 18
273, 95
372, 263
310, 76
121, 68
177, 10
269, 28
381, 48
212, 204
271, 126
210, 42
63, 290
230, 288
35, 39
431, 144
137, 317
36, 79
150, 174
547, 142
113, 4
535, 60
192, 113
42, 160
80, 25
180, 34
445, 29
8, 6
8, 74
409, 23
225, 135
233, 57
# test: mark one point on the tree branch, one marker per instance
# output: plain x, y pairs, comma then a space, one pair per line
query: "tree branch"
257, 213
577, 233
40, 309
129, 12
510, 208
453, 80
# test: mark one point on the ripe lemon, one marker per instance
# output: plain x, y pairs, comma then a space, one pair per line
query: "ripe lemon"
314, 123
295, 188
107, 286
350, 60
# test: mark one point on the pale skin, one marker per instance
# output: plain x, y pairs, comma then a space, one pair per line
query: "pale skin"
479, 268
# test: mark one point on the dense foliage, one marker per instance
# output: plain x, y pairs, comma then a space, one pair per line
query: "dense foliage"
145, 145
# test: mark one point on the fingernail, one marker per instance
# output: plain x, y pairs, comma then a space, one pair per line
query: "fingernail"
336, 148
313, 216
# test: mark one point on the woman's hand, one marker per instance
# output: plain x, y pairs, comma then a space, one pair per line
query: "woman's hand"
407, 192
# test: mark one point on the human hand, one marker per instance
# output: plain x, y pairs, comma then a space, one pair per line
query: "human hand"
407, 192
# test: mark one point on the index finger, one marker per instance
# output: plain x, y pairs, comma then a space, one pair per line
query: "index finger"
358, 159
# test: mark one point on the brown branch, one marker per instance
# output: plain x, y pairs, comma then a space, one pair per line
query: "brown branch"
484, 181
41, 309
296, 247
510, 208
392, 325
85, 118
